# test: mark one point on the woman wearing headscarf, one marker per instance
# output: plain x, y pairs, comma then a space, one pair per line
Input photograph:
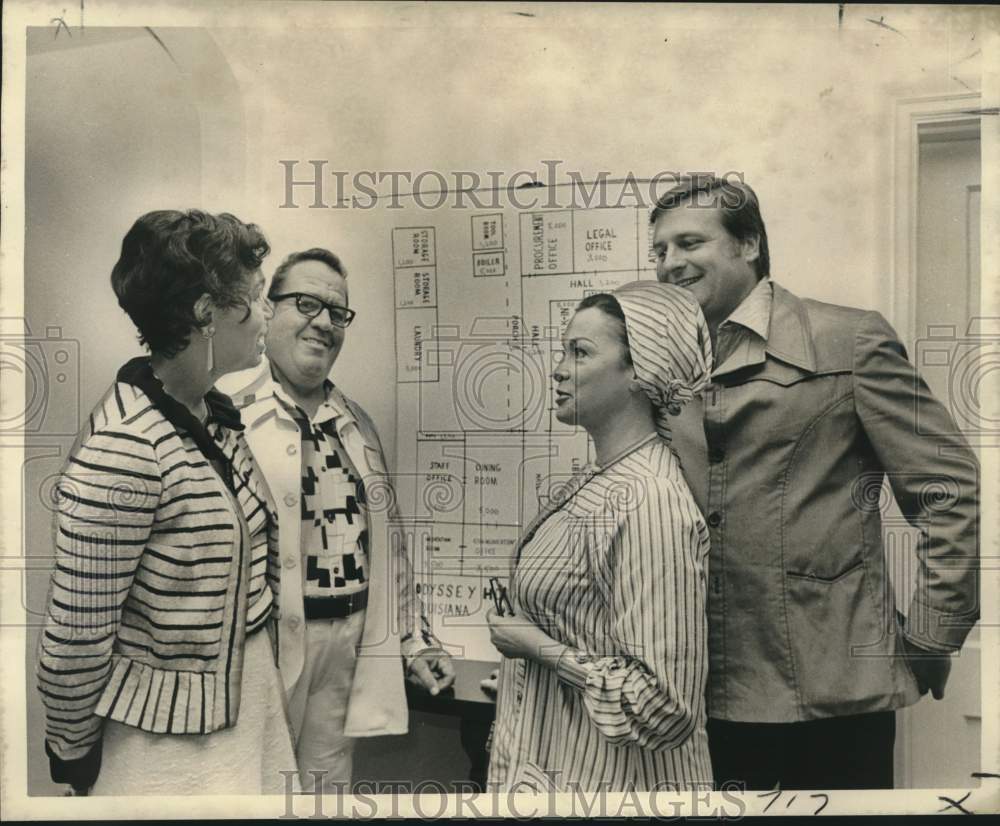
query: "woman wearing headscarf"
154, 670
602, 681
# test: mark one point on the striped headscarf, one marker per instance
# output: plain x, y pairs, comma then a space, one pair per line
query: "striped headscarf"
670, 345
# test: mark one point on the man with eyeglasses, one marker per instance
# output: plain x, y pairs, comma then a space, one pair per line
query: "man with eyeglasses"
350, 623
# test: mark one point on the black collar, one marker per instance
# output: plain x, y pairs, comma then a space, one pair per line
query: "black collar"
139, 373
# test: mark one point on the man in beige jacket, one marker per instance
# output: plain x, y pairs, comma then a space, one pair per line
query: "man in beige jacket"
350, 622
811, 406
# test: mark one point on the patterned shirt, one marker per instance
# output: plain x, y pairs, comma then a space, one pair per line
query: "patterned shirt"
618, 575
334, 527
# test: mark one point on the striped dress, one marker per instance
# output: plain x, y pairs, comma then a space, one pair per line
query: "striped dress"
160, 575
617, 574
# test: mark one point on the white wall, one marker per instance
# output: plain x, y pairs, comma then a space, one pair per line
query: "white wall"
799, 105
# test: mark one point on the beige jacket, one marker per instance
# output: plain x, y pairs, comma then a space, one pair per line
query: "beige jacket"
802, 617
394, 621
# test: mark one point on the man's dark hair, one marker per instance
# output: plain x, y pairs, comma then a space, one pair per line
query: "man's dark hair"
170, 258
608, 304
314, 254
741, 216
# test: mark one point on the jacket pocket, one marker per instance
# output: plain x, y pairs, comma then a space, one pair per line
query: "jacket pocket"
840, 644
834, 578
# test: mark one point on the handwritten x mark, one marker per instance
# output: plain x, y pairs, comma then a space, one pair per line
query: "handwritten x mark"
955, 804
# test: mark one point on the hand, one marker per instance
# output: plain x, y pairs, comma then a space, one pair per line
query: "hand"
432, 670
931, 668
489, 685
517, 638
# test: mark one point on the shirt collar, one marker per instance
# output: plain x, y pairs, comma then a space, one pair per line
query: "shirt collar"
332, 408
742, 337
787, 334
754, 311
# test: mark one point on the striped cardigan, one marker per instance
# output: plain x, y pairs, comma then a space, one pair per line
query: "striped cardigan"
160, 573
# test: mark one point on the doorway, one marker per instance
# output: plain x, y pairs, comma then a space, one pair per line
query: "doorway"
938, 304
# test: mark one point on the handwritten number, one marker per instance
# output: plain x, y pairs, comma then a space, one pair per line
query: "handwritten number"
776, 793
60, 25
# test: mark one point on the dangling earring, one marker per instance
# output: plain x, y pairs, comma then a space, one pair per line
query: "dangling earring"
634, 386
210, 361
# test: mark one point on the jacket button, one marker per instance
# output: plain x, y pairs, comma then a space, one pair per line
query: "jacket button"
291, 450
714, 519
291, 499
290, 561
293, 623
716, 455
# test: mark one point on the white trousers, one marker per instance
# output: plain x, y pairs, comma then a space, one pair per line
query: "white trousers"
317, 705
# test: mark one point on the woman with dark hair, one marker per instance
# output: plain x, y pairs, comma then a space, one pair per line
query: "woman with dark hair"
605, 659
152, 668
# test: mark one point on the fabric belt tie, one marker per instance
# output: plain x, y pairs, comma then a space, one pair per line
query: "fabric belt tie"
338, 607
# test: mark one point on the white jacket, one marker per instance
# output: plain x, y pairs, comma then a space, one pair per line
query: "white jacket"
377, 702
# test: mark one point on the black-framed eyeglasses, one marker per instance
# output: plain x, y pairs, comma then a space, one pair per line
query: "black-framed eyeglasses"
310, 307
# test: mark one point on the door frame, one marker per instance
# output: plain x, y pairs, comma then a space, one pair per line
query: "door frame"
959, 112
956, 115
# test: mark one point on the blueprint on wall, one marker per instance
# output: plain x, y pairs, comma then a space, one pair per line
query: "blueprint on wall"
481, 300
